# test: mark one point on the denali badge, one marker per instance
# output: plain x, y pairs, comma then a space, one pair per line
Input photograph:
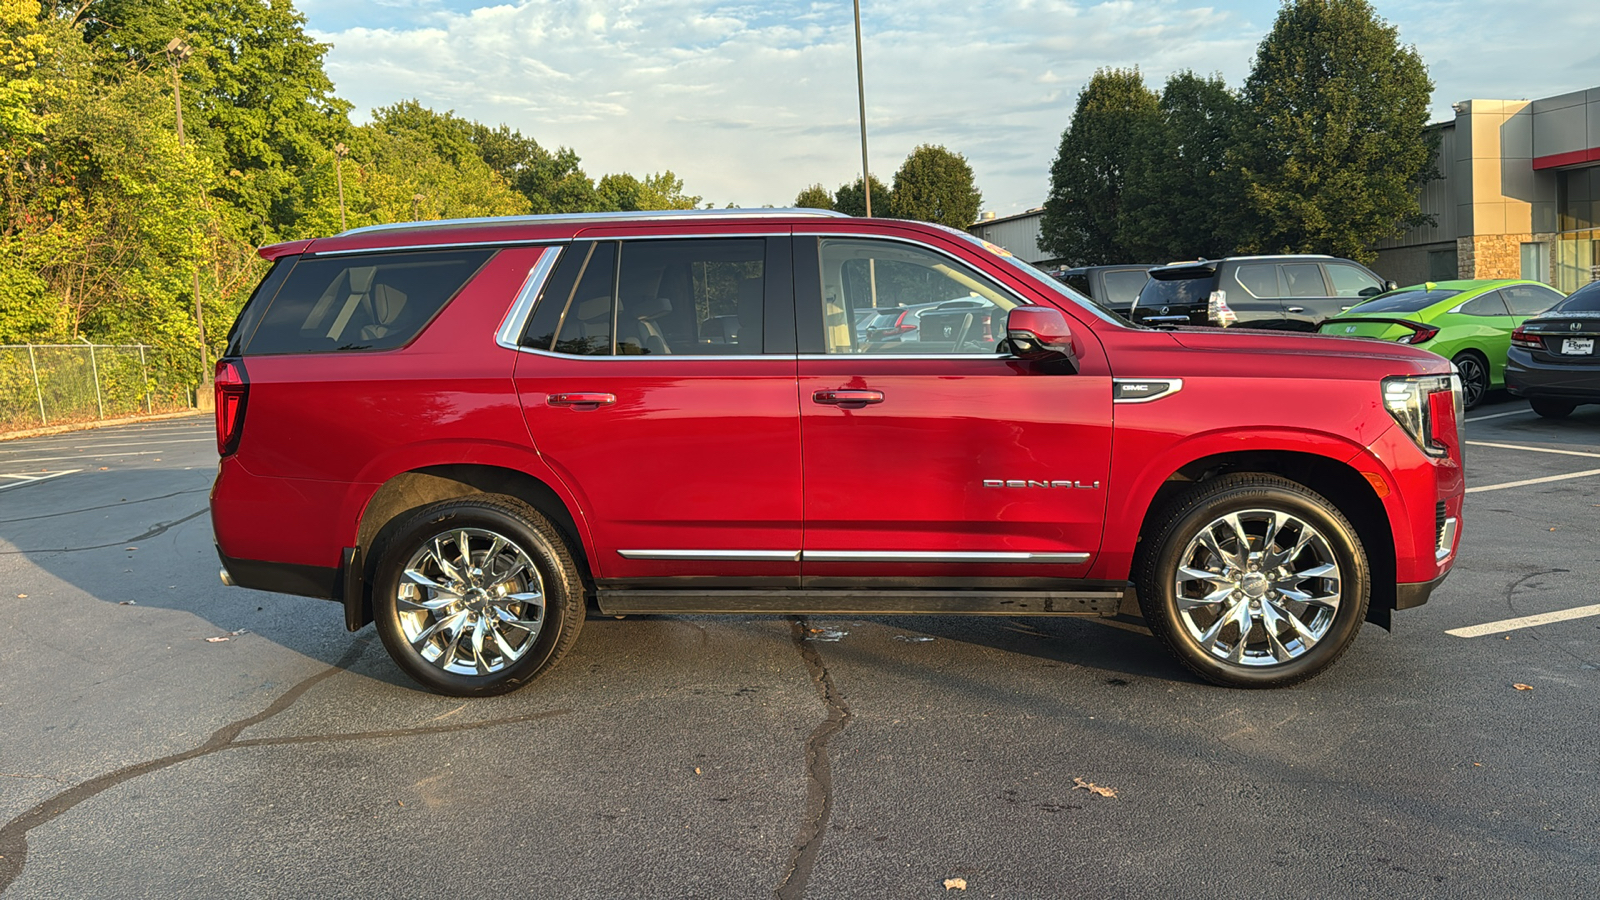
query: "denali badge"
1029, 483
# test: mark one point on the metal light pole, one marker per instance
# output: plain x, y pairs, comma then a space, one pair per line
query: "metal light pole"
861, 93
340, 151
178, 51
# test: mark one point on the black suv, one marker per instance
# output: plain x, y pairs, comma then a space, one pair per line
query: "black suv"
1113, 287
1290, 292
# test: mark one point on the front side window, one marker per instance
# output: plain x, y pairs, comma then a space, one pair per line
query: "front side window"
923, 302
1349, 281
368, 302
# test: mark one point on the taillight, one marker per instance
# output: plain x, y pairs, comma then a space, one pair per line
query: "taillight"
1422, 333
233, 389
1521, 338
900, 326
1428, 407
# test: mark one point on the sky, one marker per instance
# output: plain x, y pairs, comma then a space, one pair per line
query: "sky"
750, 102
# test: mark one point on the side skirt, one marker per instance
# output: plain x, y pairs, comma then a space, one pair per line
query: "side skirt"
1099, 602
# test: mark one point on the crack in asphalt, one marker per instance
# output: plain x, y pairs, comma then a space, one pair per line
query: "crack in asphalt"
819, 775
71, 512
156, 530
1511, 606
14, 835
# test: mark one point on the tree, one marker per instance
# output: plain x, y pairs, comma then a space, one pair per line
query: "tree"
1331, 147
625, 193
814, 197
850, 200
935, 185
1180, 200
552, 182
1082, 215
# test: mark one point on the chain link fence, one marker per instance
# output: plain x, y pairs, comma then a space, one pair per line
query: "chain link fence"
55, 384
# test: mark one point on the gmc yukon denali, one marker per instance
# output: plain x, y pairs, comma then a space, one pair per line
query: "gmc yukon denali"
469, 432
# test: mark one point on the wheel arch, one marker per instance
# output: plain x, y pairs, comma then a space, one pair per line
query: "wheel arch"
431, 484
1336, 481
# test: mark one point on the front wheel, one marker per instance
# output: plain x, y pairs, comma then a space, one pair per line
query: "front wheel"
1254, 581
476, 596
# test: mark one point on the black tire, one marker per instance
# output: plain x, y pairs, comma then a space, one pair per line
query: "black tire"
1260, 503
1474, 371
1553, 409
516, 555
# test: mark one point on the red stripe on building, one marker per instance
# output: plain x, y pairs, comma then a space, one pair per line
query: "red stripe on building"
1557, 160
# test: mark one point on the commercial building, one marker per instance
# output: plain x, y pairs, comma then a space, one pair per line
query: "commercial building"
1519, 196
1018, 233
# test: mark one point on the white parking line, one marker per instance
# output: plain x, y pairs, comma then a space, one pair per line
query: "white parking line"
93, 446
1524, 483
30, 479
1515, 412
1532, 449
80, 456
1564, 615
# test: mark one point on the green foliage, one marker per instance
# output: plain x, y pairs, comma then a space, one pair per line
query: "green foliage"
1179, 198
852, 201
1331, 147
814, 197
625, 193
1084, 213
935, 185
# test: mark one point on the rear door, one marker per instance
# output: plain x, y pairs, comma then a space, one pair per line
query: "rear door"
1253, 290
657, 377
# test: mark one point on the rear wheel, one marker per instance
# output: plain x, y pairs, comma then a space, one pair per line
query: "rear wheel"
1254, 581
1553, 409
477, 596
1474, 372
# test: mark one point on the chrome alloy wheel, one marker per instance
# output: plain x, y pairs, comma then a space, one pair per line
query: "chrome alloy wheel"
1258, 587
470, 601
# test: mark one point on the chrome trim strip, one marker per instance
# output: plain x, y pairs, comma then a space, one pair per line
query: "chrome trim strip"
576, 218
730, 555
1447, 539
516, 319
403, 248
1174, 385
864, 356
667, 357
949, 556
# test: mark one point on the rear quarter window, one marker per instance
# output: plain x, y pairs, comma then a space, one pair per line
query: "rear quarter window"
367, 302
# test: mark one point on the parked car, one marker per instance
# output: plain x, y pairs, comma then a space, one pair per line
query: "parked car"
1113, 287
1466, 322
1552, 360
1293, 292
903, 324
467, 431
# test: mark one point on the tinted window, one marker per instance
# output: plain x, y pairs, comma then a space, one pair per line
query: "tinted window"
1122, 285
1259, 279
552, 302
1078, 282
693, 297
368, 302
1350, 281
1529, 299
584, 328
1176, 292
256, 306
927, 302
1304, 280
1402, 301
1584, 299
1488, 304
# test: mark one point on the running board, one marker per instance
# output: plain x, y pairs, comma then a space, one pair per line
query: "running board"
861, 603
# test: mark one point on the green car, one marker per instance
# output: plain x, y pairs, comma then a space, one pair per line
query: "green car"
1466, 322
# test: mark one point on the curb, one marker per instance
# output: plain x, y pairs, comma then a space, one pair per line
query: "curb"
103, 423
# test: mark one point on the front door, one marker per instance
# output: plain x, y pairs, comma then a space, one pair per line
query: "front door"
930, 460
648, 386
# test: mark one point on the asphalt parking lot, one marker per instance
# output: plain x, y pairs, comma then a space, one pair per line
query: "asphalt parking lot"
165, 736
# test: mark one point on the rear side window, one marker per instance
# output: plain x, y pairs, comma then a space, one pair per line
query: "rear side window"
1260, 279
367, 302
1488, 304
1122, 285
1529, 299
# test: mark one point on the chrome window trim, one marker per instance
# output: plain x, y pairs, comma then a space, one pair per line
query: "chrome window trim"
405, 248
725, 555
603, 217
937, 556
1174, 385
682, 357
510, 331
813, 357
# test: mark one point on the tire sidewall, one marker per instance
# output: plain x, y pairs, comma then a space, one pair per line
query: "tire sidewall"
1354, 583
553, 565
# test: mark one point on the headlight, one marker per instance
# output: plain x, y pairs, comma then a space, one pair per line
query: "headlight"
1428, 407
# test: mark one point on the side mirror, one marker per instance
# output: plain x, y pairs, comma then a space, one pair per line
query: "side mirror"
1041, 334
1391, 286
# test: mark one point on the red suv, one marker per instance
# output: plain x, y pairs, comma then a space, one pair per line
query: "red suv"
467, 431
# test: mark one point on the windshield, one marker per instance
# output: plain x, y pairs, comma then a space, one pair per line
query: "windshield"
1403, 301
1053, 286
1584, 300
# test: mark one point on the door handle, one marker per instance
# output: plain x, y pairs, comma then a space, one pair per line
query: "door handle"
584, 400
1300, 309
847, 399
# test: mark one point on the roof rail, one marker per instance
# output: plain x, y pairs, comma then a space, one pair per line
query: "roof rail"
573, 218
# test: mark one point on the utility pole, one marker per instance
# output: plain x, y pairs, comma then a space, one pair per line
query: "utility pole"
340, 151
861, 93
178, 51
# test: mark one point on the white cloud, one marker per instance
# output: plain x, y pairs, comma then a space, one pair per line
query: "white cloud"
750, 102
